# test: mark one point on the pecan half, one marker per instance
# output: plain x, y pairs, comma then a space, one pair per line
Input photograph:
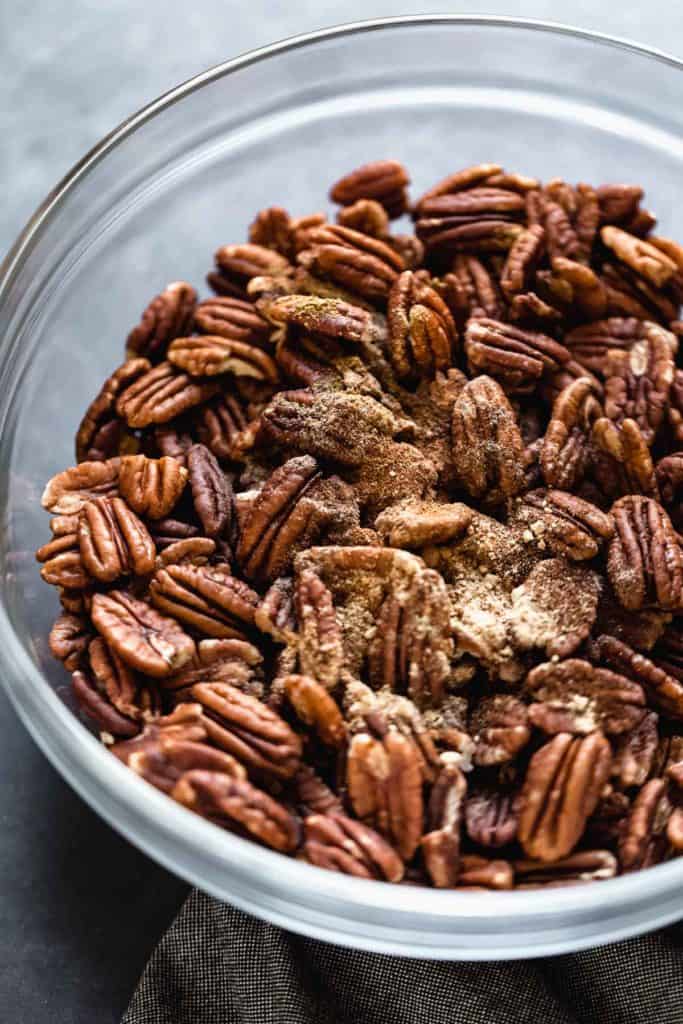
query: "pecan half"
236, 662
466, 178
315, 707
585, 866
382, 180
320, 649
635, 752
230, 318
249, 730
167, 316
102, 434
669, 471
515, 358
487, 444
645, 559
207, 355
332, 318
112, 540
422, 333
69, 639
622, 463
500, 728
574, 696
211, 491
151, 487
645, 842
236, 804
207, 598
591, 344
341, 844
560, 792
522, 260
480, 873
160, 395
62, 564
664, 690
385, 788
236, 265
273, 228
565, 450
366, 266
441, 843
370, 217
491, 817
562, 523
152, 643
415, 524
638, 382
163, 763
68, 491
642, 257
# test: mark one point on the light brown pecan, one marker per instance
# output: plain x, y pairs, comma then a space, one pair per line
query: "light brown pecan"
364, 265
415, 524
642, 257
151, 487
645, 559
385, 788
500, 729
147, 641
480, 873
663, 689
441, 842
555, 608
320, 649
645, 842
69, 639
574, 696
62, 564
561, 790
487, 444
470, 290
422, 333
339, 843
102, 433
160, 395
236, 804
249, 730
515, 358
211, 491
382, 180
207, 598
530, 310
233, 319
168, 316
273, 228
113, 541
369, 217
618, 203
621, 462
634, 752
566, 443
333, 318
584, 289
522, 260
316, 708
585, 866
491, 817
68, 491
562, 523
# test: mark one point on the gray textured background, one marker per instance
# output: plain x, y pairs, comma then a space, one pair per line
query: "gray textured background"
79, 908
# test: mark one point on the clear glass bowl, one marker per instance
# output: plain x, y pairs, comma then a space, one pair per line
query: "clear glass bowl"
149, 205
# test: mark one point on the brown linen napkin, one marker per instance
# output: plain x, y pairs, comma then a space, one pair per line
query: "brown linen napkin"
216, 965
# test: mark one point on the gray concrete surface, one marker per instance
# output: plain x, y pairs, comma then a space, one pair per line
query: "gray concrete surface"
80, 910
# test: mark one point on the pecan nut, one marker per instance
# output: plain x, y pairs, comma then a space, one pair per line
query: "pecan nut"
211, 491
422, 333
221, 426
585, 866
207, 355
645, 559
339, 843
664, 690
320, 648
143, 638
522, 259
515, 358
487, 444
68, 491
113, 542
151, 487
562, 523
566, 443
168, 316
382, 180
644, 841
102, 433
441, 843
642, 257
500, 729
491, 817
366, 266
69, 639
207, 598
230, 318
316, 708
574, 696
160, 395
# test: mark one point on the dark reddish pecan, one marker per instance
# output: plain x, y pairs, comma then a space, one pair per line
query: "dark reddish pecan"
169, 531
160, 395
491, 817
69, 639
645, 559
416, 524
500, 729
207, 355
102, 434
99, 710
113, 542
644, 841
522, 260
561, 790
236, 265
480, 873
211, 491
171, 443
151, 487
230, 318
487, 444
634, 752
566, 443
249, 730
669, 472
68, 491
275, 613
316, 708
585, 866
563, 523
441, 842
640, 629
236, 662
184, 724
163, 763
382, 180
110, 694
412, 645
664, 690
320, 649
339, 843
468, 177
369, 217
668, 652
333, 318
385, 788
515, 358
207, 598
622, 463
364, 265
273, 228
168, 316
574, 696
643, 258
422, 334
236, 804
477, 220
313, 796
470, 290
147, 641
220, 425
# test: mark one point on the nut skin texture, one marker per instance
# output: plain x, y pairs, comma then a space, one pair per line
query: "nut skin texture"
316, 708
560, 792
644, 842
143, 638
574, 696
517, 359
160, 395
487, 444
566, 443
381, 180
100, 434
645, 560
211, 491
168, 316
208, 598
68, 491
208, 355
69, 639
339, 843
563, 523
500, 729
230, 318
320, 647
113, 541
363, 265
422, 333
441, 844
665, 691
151, 487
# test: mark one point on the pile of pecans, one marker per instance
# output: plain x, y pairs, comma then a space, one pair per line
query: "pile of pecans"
373, 557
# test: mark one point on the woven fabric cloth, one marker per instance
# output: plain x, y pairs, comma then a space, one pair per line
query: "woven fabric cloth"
216, 965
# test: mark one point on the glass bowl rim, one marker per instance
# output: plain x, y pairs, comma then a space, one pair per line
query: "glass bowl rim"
85, 758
